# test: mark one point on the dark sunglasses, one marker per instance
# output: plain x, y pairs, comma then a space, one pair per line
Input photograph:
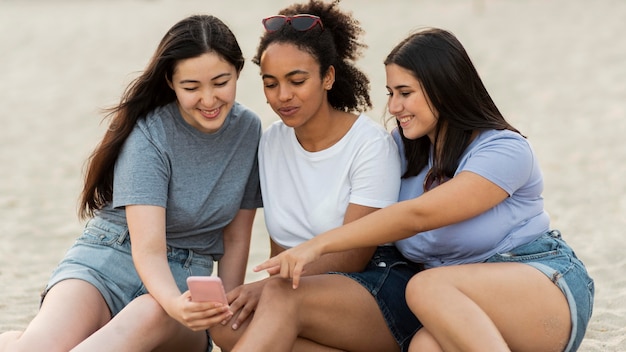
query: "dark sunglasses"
302, 22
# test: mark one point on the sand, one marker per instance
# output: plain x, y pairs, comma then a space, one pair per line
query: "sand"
556, 69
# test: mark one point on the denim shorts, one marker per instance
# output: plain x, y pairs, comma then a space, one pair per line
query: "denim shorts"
102, 257
386, 277
553, 257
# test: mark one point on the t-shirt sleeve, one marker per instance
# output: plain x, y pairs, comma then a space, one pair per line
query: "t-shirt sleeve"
141, 173
252, 194
376, 174
506, 161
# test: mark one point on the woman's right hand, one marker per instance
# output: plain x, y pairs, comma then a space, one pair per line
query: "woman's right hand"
290, 263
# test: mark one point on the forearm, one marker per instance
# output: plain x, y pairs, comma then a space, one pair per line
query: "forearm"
155, 273
352, 260
386, 225
465, 196
147, 231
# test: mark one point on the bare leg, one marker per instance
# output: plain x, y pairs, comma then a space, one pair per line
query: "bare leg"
424, 341
144, 326
226, 338
331, 310
491, 307
71, 311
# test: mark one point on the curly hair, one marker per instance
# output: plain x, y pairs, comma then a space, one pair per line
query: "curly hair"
336, 44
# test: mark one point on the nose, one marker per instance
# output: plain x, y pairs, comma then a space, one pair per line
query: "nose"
207, 98
394, 105
284, 92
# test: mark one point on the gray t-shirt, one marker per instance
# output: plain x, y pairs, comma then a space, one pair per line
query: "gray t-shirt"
201, 179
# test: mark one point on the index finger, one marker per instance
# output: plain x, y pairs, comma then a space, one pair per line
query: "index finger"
272, 264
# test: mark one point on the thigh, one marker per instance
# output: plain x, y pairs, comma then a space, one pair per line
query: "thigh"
337, 311
528, 309
143, 325
70, 312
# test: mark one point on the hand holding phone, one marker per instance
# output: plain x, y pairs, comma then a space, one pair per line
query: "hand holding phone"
206, 289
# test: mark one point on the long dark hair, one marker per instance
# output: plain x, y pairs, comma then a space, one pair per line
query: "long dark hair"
440, 63
336, 44
189, 38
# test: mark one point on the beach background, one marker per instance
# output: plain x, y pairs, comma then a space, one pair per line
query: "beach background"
556, 69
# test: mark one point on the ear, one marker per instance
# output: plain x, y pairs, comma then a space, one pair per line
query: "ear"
329, 78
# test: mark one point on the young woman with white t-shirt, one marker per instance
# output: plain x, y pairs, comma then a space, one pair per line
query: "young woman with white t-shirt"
322, 165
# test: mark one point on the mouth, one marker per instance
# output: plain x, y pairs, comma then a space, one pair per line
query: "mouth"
287, 111
210, 114
405, 119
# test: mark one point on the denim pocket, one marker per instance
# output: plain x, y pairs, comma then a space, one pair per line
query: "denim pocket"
103, 232
541, 248
95, 235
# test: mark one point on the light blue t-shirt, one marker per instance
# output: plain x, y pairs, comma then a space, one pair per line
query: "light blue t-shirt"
201, 179
506, 159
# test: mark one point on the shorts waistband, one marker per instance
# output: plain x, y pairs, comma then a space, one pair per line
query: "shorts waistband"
123, 236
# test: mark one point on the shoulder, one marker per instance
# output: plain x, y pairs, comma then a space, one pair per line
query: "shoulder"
366, 124
158, 120
501, 141
276, 132
244, 115
503, 157
155, 125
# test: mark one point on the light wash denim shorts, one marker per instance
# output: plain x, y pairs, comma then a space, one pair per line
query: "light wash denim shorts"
386, 277
102, 257
553, 257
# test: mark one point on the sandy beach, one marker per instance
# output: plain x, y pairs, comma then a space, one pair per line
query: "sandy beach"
556, 69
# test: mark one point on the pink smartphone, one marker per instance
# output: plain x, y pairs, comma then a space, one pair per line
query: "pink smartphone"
206, 289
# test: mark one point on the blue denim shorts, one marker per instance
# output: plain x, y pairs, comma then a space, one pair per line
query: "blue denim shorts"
553, 257
386, 277
102, 257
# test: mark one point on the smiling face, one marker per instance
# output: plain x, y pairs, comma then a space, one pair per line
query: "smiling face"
409, 104
205, 88
292, 83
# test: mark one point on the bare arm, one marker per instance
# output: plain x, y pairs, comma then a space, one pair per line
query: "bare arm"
146, 225
348, 260
463, 197
232, 266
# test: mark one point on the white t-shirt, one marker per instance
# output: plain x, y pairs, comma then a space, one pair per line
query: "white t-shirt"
307, 193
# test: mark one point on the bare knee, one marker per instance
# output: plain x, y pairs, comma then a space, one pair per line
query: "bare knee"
147, 310
423, 289
225, 336
274, 298
278, 289
424, 341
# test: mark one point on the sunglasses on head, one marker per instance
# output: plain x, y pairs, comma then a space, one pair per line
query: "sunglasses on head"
302, 22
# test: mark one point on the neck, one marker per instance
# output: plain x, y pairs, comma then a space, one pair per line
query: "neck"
325, 131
